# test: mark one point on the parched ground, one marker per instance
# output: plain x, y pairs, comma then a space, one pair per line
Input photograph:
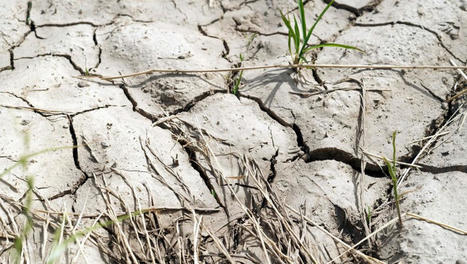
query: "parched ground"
177, 169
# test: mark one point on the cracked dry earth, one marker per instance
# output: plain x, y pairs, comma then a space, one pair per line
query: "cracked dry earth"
284, 172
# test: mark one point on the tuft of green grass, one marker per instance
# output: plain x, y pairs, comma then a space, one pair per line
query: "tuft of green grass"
28, 13
369, 215
238, 80
59, 247
19, 242
27, 228
23, 160
393, 173
300, 41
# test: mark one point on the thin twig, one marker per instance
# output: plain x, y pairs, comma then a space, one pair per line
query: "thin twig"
459, 70
425, 138
368, 258
367, 237
428, 144
196, 229
454, 229
390, 160
282, 66
302, 94
459, 94
218, 243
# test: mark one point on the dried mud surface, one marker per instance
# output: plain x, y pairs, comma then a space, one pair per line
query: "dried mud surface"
218, 176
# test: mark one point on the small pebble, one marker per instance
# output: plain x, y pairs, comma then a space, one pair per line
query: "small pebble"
105, 145
83, 84
25, 122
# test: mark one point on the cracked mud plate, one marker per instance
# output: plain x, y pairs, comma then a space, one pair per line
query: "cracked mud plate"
174, 168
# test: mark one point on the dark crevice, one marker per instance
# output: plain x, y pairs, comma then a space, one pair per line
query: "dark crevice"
272, 167
203, 32
356, 11
347, 226
130, 16
265, 109
12, 59
226, 50
33, 29
195, 100
371, 169
316, 77
12, 48
99, 54
314, 71
72, 24
135, 104
207, 94
336, 154
249, 30
6, 68
412, 25
439, 170
441, 100
66, 56
31, 106
197, 167
92, 24
92, 109
210, 23
82, 180
300, 142
425, 90
29, 22
45, 114
75, 143
238, 7
223, 8
435, 125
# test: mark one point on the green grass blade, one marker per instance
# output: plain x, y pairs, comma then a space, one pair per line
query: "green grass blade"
23, 159
286, 22
336, 45
291, 32
290, 38
296, 35
308, 35
59, 249
391, 170
394, 149
301, 8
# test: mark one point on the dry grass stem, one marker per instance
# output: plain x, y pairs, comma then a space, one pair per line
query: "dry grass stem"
391, 222
281, 66
445, 226
459, 70
367, 258
453, 117
390, 160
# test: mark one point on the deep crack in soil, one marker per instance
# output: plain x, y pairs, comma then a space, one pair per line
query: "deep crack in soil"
82, 180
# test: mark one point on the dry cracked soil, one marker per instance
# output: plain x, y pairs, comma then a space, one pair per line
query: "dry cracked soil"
174, 168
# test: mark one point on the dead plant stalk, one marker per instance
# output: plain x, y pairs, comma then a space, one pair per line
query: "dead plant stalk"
283, 66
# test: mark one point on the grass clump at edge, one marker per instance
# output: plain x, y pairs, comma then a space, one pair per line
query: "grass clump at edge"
393, 173
300, 41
